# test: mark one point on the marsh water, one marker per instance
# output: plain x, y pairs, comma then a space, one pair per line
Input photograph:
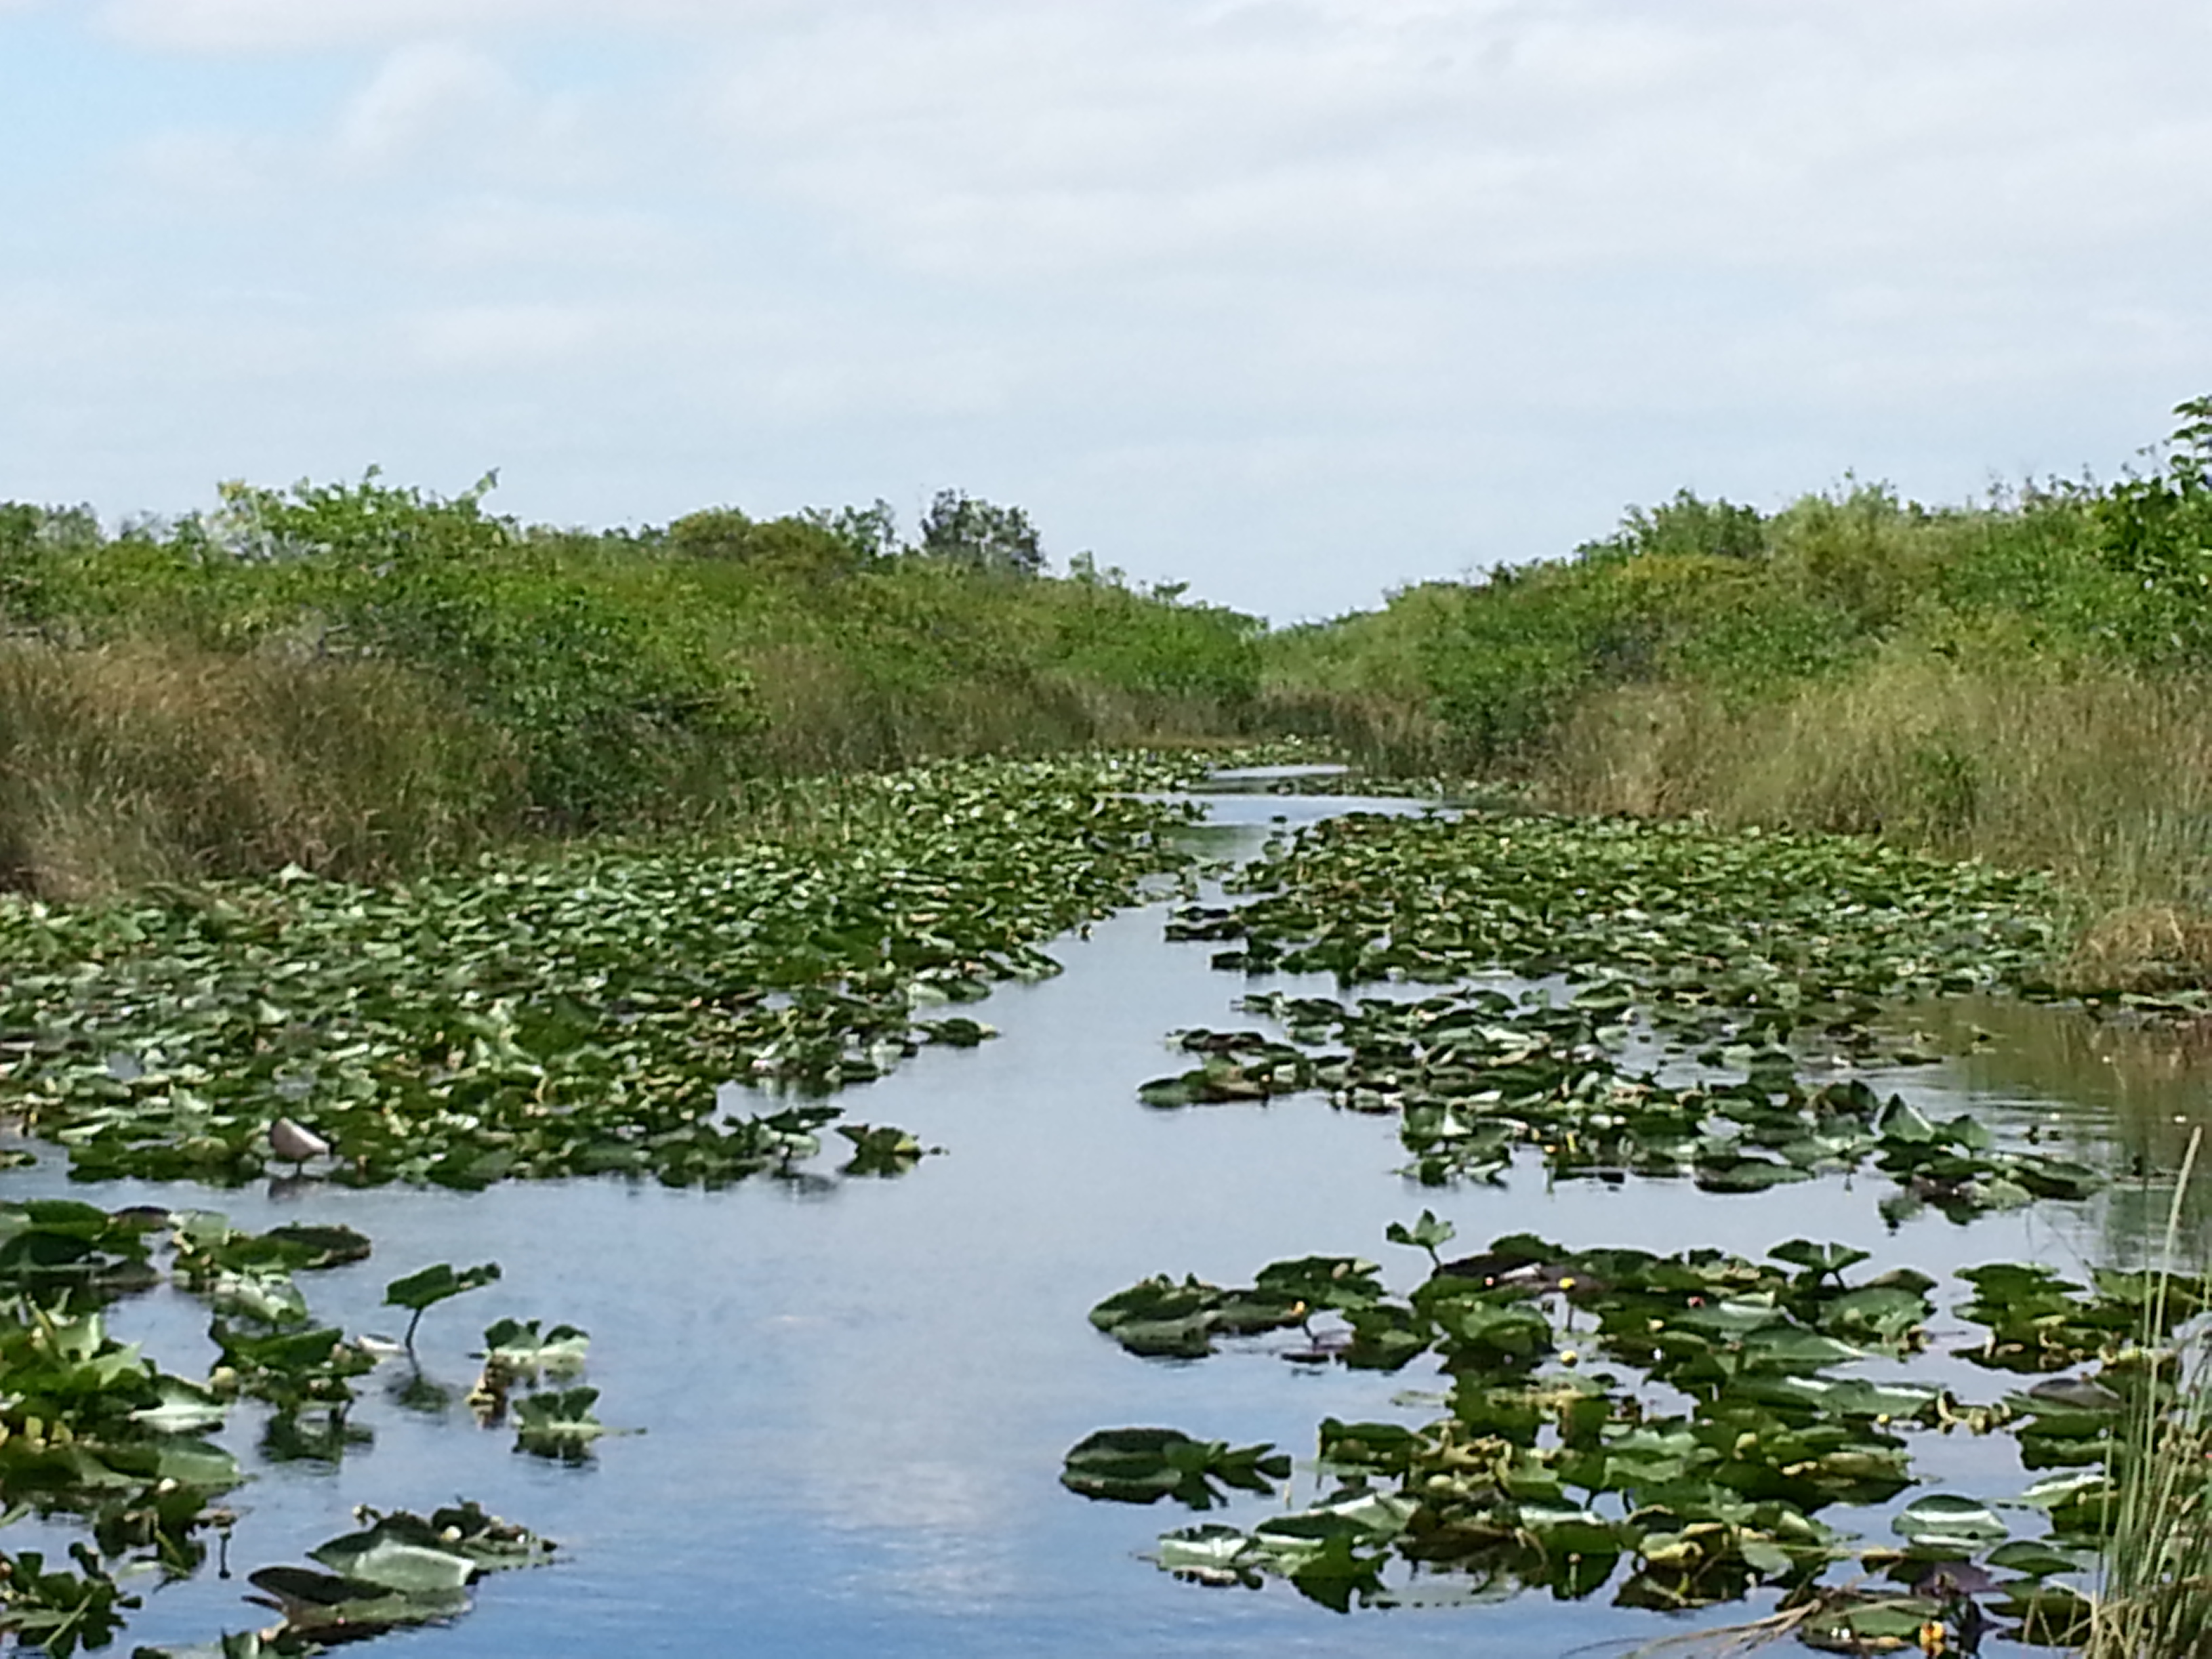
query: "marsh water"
856, 1396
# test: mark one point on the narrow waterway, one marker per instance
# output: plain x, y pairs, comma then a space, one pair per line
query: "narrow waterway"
856, 1396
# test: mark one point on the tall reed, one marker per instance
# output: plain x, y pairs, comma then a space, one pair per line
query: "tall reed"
146, 760
2098, 773
2155, 1595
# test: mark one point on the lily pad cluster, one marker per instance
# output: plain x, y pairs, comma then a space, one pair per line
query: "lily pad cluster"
89, 1428
522, 1364
563, 1015
58, 1611
397, 1570
1671, 1425
1744, 933
1679, 1428
1700, 968
93, 1434
1477, 1077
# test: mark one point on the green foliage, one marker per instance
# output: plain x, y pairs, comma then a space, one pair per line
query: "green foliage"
600, 699
598, 678
559, 1423
398, 1571
92, 1432
2157, 532
573, 1014
961, 529
1754, 608
57, 1612
1142, 1465
1732, 948
1674, 1425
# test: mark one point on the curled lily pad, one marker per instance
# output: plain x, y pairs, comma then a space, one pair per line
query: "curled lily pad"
1947, 1524
328, 1607
421, 1291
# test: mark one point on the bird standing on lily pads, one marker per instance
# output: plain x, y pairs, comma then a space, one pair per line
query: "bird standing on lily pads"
295, 1143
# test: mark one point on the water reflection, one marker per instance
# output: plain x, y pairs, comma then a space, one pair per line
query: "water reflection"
2121, 1092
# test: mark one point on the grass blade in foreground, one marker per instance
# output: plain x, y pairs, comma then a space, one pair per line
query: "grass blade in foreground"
2156, 1598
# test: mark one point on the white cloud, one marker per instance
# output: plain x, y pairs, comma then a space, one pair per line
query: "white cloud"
255, 27
420, 96
494, 233
1010, 140
1190, 276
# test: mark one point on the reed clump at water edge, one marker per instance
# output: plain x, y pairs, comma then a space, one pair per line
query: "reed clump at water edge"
2155, 1595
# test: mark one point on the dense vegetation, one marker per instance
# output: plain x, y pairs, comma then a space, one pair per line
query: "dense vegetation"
362, 679
96, 1437
572, 1012
2025, 679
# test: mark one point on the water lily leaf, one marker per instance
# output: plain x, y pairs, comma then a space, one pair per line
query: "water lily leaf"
1946, 1523
1886, 1313
2058, 1491
2038, 1558
1211, 1554
268, 1297
1141, 1465
1825, 1261
1870, 1623
372, 1557
1426, 1234
436, 1283
559, 1423
324, 1605
307, 1248
1764, 1557
1323, 1281
518, 1349
185, 1408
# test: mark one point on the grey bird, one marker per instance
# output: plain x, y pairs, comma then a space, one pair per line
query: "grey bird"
289, 1140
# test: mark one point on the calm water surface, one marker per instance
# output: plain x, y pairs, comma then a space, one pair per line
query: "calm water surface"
857, 1396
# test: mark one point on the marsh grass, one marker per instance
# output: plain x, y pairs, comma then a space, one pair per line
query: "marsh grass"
366, 680
149, 760
2100, 774
2155, 1595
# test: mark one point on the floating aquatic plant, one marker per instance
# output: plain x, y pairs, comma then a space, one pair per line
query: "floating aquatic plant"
563, 1015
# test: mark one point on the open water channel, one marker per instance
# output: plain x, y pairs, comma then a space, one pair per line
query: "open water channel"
856, 1396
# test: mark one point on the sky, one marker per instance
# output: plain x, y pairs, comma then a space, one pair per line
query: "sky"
1297, 300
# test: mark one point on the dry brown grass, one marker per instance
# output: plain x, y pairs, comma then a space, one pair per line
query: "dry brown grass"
1383, 732
2102, 776
2148, 947
148, 761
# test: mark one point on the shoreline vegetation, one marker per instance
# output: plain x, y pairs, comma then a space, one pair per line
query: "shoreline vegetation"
2027, 681
368, 681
